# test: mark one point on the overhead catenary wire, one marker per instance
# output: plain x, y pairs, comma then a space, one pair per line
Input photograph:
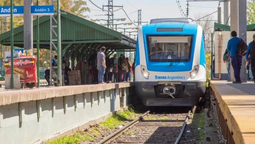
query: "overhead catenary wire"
128, 17
103, 9
180, 8
97, 6
205, 16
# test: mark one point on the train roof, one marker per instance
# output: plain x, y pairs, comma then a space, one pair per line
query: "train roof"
170, 20
171, 26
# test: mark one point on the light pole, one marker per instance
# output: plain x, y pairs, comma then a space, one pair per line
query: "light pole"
12, 47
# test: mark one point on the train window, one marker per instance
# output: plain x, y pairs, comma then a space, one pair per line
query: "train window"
169, 48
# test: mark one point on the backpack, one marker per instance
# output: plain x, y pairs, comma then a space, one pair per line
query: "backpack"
242, 48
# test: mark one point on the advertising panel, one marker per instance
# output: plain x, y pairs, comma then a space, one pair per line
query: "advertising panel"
25, 67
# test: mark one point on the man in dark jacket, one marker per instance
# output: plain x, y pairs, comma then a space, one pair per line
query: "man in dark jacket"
251, 53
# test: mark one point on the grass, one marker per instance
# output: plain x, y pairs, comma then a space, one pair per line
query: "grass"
117, 120
201, 124
111, 123
151, 117
75, 139
163, 118
130, 132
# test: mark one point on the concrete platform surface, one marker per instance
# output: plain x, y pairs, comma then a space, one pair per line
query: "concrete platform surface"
41, 81
237, 103
25, 95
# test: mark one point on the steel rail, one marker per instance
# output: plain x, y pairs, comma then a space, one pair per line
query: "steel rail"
120, 131
184, 124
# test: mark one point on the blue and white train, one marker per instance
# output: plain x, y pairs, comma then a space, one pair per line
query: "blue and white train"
170, 64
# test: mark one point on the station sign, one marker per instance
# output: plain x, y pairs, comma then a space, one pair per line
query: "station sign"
19, 10
42, 10
6, 10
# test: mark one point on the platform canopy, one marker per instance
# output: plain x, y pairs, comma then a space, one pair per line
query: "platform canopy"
222, 27
76, 32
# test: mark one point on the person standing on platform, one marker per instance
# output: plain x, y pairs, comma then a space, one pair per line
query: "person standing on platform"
93, 65
115, 69
124, 69
128, 73
110, 68
236, 60
86, 73
251, 55
226, 59
101, 65
65, 72
120, 67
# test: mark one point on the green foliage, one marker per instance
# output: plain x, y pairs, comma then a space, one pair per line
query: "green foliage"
75, 139
201, 124
110, 123
117, 120
251, 13
77, 7
208, 65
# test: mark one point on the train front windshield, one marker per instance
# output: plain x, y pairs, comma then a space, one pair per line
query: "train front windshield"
169, 48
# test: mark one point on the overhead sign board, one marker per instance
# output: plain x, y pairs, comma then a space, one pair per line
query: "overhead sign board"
19, 10
42, 10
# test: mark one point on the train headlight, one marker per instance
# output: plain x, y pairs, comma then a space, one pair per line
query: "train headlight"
194, 71
144, 71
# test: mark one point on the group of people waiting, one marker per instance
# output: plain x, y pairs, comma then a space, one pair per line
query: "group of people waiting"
106, 69
99, 68
231, 56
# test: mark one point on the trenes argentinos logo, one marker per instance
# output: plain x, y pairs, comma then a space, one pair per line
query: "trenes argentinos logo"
170, 77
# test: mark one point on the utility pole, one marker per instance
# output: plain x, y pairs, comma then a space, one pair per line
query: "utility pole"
239, 24
226, 12
12, 47
38, 49
219, 15
110, 15
139, 17
28, 26
187, 10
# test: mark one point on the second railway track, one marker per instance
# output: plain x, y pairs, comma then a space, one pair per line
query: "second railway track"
151, 128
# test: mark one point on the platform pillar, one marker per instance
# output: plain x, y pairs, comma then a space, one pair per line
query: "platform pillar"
238, 24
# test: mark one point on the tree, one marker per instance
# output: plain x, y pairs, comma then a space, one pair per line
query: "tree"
77, 7
207, 25
251, 13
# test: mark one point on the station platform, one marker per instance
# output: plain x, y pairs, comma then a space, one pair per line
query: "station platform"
236, 104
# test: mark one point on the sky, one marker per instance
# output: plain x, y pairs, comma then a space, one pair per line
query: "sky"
153, 9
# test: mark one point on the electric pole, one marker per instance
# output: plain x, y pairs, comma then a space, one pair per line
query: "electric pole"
139, 17
110, 14
187, 10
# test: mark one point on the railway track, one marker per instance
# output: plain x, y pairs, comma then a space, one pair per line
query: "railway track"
166, 128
